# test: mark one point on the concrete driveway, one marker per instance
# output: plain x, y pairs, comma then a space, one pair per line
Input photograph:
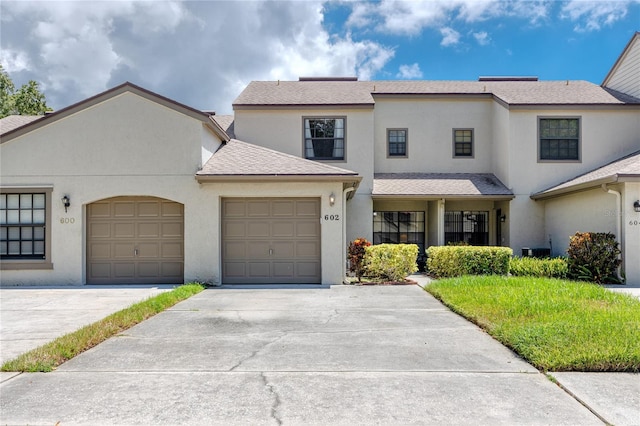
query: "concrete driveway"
341, 355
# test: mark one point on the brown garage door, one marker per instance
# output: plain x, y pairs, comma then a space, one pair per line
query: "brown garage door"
135, 240
270, 241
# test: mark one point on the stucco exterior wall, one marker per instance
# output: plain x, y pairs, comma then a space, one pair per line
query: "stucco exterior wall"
430, 123
333, 254
631, 232
126, 145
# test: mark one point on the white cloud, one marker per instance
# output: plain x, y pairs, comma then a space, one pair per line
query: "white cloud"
200, 53
450, 37
409, 72
593, 15
482, 37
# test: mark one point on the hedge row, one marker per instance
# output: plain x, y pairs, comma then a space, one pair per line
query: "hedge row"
452, 261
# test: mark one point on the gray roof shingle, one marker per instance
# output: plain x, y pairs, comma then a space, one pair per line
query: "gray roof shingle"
237, 158
628, 166
569, 92
439, 185
226, 122
14, 121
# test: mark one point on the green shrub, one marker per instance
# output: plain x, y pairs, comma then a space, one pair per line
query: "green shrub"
534, 267
452, 261
593, 256
391, 262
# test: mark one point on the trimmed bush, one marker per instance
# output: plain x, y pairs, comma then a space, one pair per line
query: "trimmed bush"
593, 256
391, 262
453, 261
534, 267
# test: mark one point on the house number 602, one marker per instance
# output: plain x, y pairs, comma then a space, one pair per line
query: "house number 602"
331, 217
66, 220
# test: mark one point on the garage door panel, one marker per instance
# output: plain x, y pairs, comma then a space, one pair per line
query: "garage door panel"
149, 209
284, 208
283, 249
281, 243
283, 269
135, 240
124, 209
257, 249
258, 209
307, 228
148, 230
258, 229
172, 230
123, 230
283, 229
99, 230
100, 251
259, 270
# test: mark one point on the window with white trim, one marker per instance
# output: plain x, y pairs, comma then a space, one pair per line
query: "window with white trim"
559, 139
324, 138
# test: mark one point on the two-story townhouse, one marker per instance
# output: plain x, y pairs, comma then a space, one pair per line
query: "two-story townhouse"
131, 187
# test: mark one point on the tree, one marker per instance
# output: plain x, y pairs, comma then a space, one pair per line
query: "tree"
27, 100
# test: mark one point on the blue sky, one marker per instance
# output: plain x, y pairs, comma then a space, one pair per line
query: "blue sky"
203, 53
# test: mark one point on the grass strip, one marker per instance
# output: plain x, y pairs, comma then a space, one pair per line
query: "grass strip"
47, 357
556, 325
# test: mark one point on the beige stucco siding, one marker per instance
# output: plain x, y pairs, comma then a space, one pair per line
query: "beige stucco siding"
125, 146
430, 124
331, 228
631, 231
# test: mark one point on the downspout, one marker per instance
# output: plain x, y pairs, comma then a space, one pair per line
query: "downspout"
618, 223
344, 229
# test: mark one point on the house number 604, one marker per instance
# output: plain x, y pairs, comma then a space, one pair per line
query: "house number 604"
331, 217
66, 220
634, 222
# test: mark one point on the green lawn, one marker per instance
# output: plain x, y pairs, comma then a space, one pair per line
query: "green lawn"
556, 325
47, 357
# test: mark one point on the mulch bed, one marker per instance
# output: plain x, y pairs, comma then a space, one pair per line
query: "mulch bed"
405, 282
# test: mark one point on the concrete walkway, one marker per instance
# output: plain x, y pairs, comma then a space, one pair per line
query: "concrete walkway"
341, 355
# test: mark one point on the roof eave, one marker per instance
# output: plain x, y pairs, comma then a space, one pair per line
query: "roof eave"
496, 197
203, 178
248, 107
585, 186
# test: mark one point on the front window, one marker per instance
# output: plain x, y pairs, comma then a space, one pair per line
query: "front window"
397, 142
463, 143
22, 225
470, 227
399, 227
559, 138
324, 138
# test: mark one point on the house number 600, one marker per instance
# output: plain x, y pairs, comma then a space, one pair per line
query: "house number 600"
65, 220
331, 217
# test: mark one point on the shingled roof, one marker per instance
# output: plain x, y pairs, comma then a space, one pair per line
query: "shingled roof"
439, 185
364, 93
625, 168
11, 122
241, 159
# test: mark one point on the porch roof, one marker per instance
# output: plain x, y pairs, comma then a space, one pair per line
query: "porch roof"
439, 185
624, 169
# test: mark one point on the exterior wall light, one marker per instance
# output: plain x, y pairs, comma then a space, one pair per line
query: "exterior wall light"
503, 218
332, 199
636, 206
67, 202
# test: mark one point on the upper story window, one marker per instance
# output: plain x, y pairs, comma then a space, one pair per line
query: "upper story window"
559, 139
463, 143
324, 138
397, 142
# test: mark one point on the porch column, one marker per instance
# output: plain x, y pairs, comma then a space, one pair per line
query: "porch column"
441, 222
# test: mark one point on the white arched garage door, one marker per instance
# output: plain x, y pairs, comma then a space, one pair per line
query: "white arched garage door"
135, 240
